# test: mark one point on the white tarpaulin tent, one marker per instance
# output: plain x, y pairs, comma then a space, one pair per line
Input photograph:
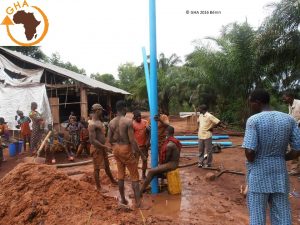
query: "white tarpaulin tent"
20, 98
29, 76
17, 92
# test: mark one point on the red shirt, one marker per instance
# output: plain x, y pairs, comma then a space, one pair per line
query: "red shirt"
25, 128
140, 132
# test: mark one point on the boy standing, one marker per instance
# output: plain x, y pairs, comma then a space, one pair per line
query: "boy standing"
206, 124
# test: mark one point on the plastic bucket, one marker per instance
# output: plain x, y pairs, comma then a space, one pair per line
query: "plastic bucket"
174, 183
20, 146
12, 150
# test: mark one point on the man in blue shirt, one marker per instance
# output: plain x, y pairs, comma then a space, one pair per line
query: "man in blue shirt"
267, 136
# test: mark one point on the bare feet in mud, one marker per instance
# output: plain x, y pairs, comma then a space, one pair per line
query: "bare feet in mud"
101, 190
123, 203
131, 196
114, 182
244, 191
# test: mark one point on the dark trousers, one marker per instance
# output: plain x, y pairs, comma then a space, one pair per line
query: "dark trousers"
205, 146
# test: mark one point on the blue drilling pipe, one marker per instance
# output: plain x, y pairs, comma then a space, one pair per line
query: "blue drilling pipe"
153, 93
147, 76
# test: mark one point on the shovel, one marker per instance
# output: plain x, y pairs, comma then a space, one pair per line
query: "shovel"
38, 159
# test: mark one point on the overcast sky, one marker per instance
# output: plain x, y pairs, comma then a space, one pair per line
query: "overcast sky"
100, 35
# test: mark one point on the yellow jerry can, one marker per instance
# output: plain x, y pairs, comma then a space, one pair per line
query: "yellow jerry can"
174, 183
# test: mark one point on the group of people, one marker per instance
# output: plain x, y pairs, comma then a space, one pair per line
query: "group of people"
31, 137
32, 129
271, 139
129, 141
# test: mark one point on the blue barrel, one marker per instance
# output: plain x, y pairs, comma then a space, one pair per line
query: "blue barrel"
195, 143
195, 137
12, 149
20, 146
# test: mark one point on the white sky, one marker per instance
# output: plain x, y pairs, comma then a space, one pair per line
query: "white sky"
100, 35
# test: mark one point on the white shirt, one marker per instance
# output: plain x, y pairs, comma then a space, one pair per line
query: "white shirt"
206, 122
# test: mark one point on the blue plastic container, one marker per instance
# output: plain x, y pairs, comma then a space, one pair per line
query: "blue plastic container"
195, 137
12, 150
20, 146
195, 143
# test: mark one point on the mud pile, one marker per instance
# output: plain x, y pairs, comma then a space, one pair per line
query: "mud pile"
39, 194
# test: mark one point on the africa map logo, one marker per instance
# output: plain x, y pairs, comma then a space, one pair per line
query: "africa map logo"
25, 25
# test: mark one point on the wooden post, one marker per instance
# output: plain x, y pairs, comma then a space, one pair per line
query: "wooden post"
83, 103
54, 105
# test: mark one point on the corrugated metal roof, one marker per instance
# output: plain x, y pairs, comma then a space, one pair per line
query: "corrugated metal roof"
64, 72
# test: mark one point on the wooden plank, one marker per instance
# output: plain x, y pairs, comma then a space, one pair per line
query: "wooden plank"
54, 105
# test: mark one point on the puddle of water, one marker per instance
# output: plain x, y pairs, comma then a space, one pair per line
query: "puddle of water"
175, 206
163, 204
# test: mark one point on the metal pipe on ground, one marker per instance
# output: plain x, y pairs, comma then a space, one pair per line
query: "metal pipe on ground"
232, 172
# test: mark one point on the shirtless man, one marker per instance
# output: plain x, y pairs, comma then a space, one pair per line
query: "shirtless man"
98, 148
125, 149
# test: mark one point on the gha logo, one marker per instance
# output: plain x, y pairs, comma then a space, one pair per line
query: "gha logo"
25, 25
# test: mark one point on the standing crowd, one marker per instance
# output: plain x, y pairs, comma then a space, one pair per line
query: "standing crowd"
129, 141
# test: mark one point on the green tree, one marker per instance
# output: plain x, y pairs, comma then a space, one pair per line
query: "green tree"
279, 45
105, 78
230, 71
55, 59
128, 74
168, 80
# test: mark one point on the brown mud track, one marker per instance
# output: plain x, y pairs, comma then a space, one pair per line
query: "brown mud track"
41, 194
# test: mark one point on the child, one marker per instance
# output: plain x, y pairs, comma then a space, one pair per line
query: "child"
73, 132
23, 123
56, 144
84, 140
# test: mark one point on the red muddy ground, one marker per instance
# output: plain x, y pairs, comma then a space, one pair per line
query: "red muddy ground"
215, 202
